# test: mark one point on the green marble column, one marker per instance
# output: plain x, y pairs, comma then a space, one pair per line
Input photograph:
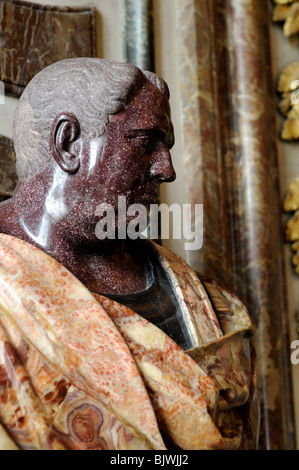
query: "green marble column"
137, 33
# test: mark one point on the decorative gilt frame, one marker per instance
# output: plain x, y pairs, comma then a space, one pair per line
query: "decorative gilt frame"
231, 166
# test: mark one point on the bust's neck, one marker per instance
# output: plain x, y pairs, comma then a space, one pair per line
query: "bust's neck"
115, 268
122, 270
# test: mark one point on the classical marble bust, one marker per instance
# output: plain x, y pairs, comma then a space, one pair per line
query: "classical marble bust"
109, 343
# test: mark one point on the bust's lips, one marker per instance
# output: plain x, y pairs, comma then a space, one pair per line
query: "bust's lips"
145, 194
146, 199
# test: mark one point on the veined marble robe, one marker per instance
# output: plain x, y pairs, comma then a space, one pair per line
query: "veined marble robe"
80, 371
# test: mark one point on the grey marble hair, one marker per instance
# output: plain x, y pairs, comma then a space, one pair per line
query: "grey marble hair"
91, 89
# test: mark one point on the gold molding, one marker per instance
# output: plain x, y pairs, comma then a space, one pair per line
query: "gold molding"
288, 87
287, 11
291, 204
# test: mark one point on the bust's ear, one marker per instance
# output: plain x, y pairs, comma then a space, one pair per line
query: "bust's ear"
65, 131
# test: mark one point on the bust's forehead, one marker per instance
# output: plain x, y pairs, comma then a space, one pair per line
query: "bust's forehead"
149, 92
148, 108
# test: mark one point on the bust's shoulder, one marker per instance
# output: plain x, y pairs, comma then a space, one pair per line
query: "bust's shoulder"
228, 307
231, 312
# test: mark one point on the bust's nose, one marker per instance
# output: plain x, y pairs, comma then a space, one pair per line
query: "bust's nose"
162, 168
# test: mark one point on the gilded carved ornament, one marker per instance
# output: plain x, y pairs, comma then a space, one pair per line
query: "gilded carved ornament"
287, 11
291, 204
288, 87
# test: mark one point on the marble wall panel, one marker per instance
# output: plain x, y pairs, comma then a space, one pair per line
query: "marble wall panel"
8, 178
230, 165
33, 36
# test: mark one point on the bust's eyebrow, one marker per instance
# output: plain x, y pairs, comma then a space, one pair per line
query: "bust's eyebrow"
155, 133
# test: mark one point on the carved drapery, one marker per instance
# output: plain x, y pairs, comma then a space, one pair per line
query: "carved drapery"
230, 165
33, 36
137, 33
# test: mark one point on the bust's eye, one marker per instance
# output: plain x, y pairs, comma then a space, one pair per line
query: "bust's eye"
146, 141
143, 142
142, 139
